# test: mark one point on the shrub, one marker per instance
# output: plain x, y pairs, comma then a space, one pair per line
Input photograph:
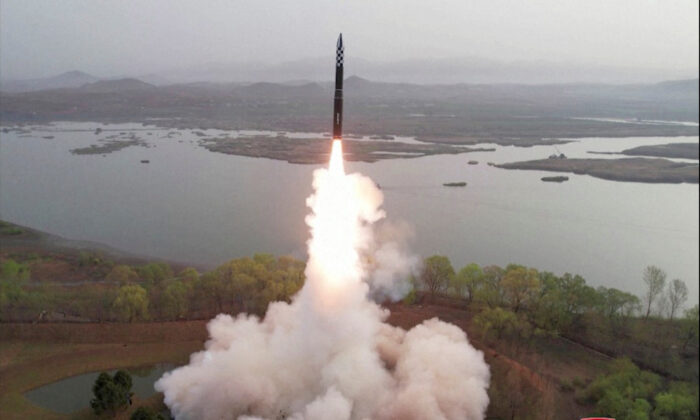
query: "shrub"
111, 393
146, 413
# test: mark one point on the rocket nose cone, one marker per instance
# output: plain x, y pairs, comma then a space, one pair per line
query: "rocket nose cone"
340, 41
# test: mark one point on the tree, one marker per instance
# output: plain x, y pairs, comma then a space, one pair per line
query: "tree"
624, 393
690, 329
677, 295
655, 279
614, 303
436, 273
242, 280
520, 285
146, 413
132, 302
578, 297
12, 277
468, 280
155, 273
499, 320
123, 380
268, 261
679, 403
111, 393
491, 292
189, 275
175, 300
562, 300
211, 288
122, 274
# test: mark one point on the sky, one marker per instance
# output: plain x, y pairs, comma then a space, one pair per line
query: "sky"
108, 38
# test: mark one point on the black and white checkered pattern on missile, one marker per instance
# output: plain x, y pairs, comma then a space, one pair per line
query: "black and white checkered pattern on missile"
339, 57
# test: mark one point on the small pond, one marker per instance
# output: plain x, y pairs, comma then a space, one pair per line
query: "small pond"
72, 394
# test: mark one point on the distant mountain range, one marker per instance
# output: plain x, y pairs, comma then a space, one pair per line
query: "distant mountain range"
472, 70
69, 79
75, 79
116, 85
523, 114
421, 71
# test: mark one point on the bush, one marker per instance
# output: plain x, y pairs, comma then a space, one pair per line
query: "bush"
499, 321
146, 413
566, 386
410, 298
13, 230
111, 393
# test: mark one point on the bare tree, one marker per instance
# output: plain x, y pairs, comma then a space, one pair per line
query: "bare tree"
663, 305
677, 295
655, 279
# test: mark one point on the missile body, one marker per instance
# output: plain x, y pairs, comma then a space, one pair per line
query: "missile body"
338, 98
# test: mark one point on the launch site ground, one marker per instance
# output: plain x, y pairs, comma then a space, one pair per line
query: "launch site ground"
35, 355
526, 375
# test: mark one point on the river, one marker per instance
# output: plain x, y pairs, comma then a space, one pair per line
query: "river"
192, 205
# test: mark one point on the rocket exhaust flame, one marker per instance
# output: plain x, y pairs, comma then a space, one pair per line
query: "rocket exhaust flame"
335, 166
329, 354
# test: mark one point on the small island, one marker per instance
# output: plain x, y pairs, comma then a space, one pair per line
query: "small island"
455, 184
555, 178
107, 147
671, 150
473, 162
317, 150
627, 169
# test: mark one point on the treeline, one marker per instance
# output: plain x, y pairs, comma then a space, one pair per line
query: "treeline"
521, 302
151, 292
552, 303
513, 307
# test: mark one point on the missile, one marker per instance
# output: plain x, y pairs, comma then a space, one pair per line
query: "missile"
338, 98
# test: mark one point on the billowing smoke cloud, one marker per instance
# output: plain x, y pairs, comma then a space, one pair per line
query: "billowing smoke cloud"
329, 355
389, 264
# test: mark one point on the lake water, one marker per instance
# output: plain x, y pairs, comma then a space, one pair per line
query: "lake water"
72, 394
192, 205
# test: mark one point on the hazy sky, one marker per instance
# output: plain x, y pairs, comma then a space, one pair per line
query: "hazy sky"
109, 38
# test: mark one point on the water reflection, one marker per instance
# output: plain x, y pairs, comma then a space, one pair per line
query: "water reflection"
72, 394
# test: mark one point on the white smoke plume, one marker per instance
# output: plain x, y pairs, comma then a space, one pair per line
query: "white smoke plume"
329, 355
390, 266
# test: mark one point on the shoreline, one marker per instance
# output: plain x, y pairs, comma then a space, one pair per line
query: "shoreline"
641, 170
32, 240
546, 138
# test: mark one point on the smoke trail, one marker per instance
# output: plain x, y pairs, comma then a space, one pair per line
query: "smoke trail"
328, 354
